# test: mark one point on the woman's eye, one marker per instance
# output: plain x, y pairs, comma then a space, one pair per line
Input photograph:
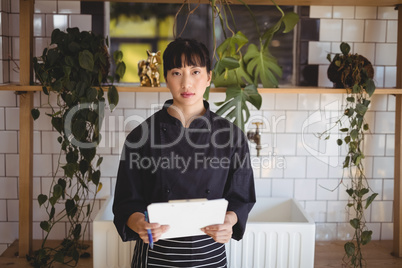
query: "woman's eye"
175, 73
196, 72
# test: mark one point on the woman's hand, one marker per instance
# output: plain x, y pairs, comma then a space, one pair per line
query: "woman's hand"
222, 233
138, 224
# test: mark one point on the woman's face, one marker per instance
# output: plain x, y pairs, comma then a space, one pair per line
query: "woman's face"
188, 84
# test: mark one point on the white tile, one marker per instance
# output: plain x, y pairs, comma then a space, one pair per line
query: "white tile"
40, 44
368, 166
318, 51
375, 187
8, 232
367, 50
390, 147
2, 119
8, 188
213, 98
58, 231
37, 231
343, 12
308, 101
56, 22
274, 122
305, 189
2, 165
330, 30
376, 228
345, 231
331, 102
317, 210
70, 7
295, 121
6, 72
295, 167
387, 13
285, 144
9, 142
307, 144
366, 12
13, 209
14, 24
326, 232
12, 118
379, 76
390, 76
378, 103
387, 231
327, 189
384, 122
391, 103
39, 25
383, 167
14, 71
44, 121
272, 167
320, 11
42, 165
12, 165
268, 101
381, 211
109, 165
386, 54
5, 6
5, 24
50, 145
36, 189
15, 47
263, 187
375, 30
146, 100
3, 211
83, 22
45, 6
392, 31
337, 211
346, 184
164, 96
126, 100
286, 101
323, 80
317, 167
282, 188
388, 190
353, 30
15, 6
5, 44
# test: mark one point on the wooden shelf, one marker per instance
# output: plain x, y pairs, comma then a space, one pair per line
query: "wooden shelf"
279, 2
283, 90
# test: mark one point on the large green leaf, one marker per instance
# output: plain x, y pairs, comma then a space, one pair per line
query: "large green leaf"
290, 20
238, 76
86, 60
235, 107
262, 66
232, 45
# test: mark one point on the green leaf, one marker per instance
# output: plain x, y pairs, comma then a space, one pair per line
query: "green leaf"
350, 192
84, 166
366, 237
57, 123
262, 66
370, 199
345, 48
70, 169
344, 129
347, 139
78, 129
346, 162
356, 88
355, 223
100, 159
71, 208
57, 191
35, 113
113, 97
120, 70
362, 192
45, 91
86, 60
59, 257
117, 56
42, 199
361, 109
88, 153
227, 63
366, 127
52, 212
44, 225
235, 106
232, 45
339, 142
290, 20
354, 134
77, 231
349, 249
91, 94
96, 177
370, 87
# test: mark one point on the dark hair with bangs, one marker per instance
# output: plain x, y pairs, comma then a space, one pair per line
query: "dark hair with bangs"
195, 54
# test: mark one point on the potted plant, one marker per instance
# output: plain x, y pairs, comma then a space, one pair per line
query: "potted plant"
354, 73
75, 68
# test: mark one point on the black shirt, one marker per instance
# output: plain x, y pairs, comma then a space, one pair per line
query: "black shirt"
162, 161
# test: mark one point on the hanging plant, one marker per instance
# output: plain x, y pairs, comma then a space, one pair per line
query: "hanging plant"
242, 74
355, 74
75, 68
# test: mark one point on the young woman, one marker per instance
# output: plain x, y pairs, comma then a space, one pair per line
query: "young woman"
183, 151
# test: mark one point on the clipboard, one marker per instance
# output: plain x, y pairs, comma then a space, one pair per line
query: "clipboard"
187, 217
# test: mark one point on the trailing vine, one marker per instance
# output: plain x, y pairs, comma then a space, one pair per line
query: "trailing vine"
354, 73
75, 69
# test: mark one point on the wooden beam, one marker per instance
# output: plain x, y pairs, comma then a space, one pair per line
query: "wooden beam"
26, 129
397, 251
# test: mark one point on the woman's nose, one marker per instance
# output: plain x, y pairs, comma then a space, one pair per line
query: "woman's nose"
186, 81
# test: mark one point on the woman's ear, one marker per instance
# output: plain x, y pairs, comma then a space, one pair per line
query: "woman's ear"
209, 78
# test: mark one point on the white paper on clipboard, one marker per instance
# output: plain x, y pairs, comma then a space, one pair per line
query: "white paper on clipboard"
187, 217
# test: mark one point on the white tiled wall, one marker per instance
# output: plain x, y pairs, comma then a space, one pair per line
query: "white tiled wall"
370, 31
293, 162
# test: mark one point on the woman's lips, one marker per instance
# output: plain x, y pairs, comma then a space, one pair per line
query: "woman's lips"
187, 94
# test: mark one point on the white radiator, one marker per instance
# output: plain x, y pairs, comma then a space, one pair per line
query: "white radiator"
279, 234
